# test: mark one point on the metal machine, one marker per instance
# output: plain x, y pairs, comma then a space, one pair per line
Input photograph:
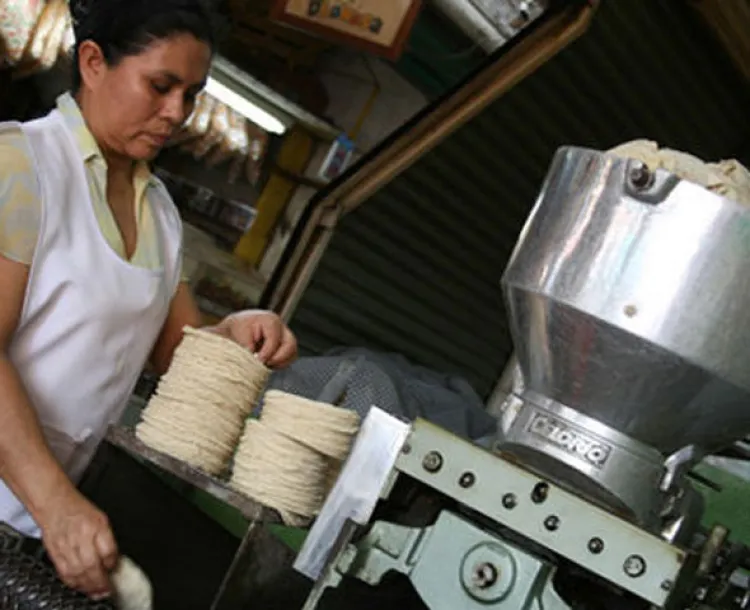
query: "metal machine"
629, 307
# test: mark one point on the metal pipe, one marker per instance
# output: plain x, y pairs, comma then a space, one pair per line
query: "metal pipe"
319, 240
365, 112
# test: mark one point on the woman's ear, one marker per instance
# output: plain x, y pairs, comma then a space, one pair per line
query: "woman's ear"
91, 63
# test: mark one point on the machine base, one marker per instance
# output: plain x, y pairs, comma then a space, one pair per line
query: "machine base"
452, 564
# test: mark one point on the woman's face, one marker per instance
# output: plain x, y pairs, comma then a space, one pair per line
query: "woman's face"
136, 105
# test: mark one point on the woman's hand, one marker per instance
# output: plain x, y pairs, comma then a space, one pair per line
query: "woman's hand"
80, 543
264, 333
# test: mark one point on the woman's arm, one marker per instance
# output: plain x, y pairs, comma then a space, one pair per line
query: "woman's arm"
261, 331
26, 464
77, 535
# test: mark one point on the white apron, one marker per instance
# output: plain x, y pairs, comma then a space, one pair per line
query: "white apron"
90, 319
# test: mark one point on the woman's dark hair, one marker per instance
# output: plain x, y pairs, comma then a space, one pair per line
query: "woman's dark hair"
127, 27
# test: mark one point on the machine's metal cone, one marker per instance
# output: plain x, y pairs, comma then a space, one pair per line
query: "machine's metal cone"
629, 300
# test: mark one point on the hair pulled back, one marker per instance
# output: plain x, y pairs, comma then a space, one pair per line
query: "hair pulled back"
124, 28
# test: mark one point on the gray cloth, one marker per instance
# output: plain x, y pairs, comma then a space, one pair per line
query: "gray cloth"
392, 383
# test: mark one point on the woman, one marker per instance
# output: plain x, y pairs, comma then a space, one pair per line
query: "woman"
90, 246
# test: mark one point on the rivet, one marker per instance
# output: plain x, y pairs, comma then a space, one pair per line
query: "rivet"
510, 501
596, 546
432, 462
467, 480
634, 566
539, 493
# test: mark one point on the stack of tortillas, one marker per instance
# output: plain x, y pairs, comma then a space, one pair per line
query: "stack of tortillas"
728, 178
200, 406
288, 459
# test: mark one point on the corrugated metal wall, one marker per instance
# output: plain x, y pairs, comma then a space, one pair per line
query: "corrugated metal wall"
416, 269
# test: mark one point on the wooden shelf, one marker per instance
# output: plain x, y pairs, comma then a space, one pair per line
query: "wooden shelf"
125, 439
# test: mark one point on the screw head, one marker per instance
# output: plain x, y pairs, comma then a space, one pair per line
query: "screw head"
484, 575
666, 585
552, 523
540, 492
596, 546
634, 566
640, 176
510, 501
467, 480
406, 449
432, 462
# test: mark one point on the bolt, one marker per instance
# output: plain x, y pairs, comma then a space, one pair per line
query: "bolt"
596, 546
406, 449
510, 501
641, 176
485, 575
666, 585
539, 493
432, 462
524, 14
467, 480
552, 523
634, 566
